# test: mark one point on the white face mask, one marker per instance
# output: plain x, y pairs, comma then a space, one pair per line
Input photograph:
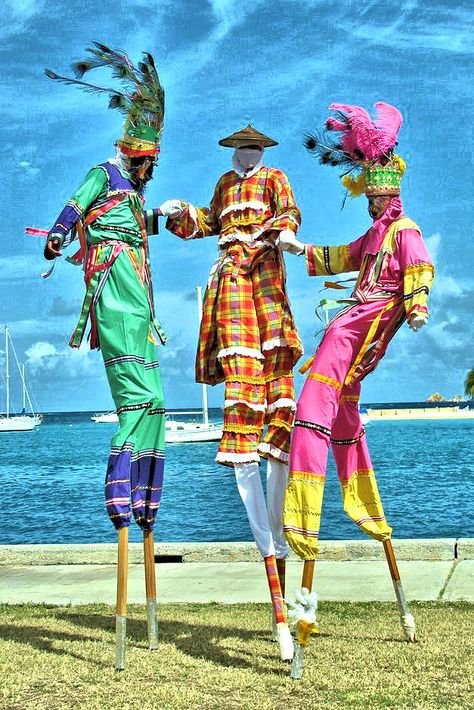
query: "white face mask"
247, 157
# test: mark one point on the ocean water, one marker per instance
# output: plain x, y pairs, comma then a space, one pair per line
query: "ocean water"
52, 485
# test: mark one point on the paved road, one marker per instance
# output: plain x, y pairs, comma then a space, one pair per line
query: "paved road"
444, 576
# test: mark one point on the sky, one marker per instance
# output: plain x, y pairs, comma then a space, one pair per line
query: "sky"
223, 64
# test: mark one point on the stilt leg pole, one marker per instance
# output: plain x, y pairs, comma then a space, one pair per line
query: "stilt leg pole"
406, 618
121, 612
281, 568
283, 635
150, 586
298, 660
308, 574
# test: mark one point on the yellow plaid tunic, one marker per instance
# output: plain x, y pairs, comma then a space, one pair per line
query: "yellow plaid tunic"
248, 338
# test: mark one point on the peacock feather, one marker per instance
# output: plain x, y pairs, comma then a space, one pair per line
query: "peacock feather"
140, 97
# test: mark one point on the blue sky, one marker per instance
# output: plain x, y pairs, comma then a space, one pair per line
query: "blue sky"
225, 63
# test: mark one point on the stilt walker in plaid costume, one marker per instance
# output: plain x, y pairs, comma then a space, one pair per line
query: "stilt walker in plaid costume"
248, 339
395, 275
106, 213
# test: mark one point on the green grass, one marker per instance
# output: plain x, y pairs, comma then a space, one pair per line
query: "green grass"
218, 657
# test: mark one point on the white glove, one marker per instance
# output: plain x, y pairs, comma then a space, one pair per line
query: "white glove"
417, 322
288, 242
171, 208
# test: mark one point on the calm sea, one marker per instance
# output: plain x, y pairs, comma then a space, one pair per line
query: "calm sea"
52, 483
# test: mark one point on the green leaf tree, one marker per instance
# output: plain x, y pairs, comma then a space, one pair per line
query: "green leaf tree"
469, 383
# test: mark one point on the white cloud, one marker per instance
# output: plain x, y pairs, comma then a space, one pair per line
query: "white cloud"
45, 357
432, 244
16, 14
28, 169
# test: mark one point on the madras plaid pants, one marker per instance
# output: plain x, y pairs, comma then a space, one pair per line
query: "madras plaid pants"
257, 365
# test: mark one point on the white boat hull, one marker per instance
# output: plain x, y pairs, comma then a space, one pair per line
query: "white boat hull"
176, 432
106, 418
191, 432
19, 423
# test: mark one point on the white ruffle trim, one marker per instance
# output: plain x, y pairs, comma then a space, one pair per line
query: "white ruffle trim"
274, 343
256, 407
193, 214
240, 350
280, 403
251, 239
237, 458
250, 205
278, 454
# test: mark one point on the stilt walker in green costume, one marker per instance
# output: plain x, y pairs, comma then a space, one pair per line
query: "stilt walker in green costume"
107, 216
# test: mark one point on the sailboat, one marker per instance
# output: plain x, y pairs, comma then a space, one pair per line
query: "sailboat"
179, 432
23, 421
176, 431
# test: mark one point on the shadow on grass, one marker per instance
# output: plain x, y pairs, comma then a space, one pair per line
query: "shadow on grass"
200, 641
43, 639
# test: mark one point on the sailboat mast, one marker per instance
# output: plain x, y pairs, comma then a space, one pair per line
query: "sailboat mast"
205, 411
23, 388
7, 373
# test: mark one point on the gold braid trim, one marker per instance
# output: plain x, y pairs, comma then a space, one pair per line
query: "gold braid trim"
248, 380
280, 423
242, 428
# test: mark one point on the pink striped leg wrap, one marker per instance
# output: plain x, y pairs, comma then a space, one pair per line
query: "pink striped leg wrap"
275, 589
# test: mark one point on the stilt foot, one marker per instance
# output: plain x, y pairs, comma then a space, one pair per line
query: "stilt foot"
409, 628
121, 640
297, 664
285, 641
152, 624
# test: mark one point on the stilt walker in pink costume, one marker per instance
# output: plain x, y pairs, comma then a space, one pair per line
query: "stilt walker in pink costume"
395, 275
248, 340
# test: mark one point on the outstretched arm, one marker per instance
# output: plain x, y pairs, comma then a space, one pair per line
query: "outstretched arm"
82, 199
418, 274
325, 260
197, 222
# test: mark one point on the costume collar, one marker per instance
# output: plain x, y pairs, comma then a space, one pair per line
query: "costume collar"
377, 232
241, 172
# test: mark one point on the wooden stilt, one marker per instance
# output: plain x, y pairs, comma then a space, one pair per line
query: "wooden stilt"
121, 611
406, 618
308, 574
281, 567
150, 586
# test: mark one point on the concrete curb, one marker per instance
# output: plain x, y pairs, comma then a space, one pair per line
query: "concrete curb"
330, 550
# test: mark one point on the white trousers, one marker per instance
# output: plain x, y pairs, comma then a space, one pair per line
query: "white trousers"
265, 517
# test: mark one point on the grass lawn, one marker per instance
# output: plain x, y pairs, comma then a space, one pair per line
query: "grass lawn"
214, 657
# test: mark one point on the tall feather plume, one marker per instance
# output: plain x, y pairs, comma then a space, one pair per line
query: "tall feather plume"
142, 98
388, 122
363, 138
90, 88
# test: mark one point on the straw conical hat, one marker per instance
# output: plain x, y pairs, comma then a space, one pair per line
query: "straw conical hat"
247, 136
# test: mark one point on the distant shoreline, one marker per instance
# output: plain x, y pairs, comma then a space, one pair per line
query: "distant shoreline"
453, 412
377, 406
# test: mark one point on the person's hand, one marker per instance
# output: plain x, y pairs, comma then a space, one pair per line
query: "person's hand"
416, 322
171, 208
53, 246
288, 242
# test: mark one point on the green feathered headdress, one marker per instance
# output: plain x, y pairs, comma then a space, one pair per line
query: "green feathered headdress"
142, 101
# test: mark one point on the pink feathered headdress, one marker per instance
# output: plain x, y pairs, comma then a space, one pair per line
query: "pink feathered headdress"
363, 146
362, 138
